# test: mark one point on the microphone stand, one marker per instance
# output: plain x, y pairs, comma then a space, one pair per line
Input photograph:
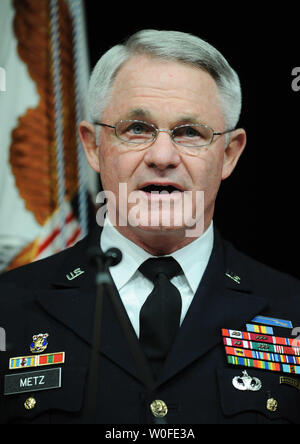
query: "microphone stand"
104, 282
100, 260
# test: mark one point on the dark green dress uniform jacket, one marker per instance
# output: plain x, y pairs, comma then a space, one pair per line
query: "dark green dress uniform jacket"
196, 380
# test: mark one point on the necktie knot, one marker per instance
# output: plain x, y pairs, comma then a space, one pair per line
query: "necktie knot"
151, 268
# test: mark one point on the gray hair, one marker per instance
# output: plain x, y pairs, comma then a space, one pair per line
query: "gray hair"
167, 45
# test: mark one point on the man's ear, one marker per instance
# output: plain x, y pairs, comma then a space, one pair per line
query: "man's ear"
233, 151
88, 138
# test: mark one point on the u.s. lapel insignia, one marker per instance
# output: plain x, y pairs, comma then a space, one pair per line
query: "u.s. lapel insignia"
39, 343
74, 274
233, 276
246, 383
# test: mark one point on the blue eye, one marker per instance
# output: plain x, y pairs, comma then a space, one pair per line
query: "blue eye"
192, 135
189, 131
135, 131
137, 128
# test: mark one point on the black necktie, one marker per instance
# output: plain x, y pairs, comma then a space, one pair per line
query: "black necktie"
160, 314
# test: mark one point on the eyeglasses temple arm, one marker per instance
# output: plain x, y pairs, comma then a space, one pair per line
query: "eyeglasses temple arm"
103, 124
224, 132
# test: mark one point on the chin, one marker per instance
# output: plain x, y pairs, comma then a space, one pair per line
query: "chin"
158, 224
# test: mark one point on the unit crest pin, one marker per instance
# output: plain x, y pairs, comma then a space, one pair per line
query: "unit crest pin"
39, 343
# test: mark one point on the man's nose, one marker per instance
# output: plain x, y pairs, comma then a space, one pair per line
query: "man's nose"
162, 153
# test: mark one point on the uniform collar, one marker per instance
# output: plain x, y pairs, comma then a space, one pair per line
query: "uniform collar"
194, 257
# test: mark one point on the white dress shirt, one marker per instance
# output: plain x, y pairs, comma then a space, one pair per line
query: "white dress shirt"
134, 287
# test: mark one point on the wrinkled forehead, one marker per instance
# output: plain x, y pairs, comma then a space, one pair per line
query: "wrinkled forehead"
157, 85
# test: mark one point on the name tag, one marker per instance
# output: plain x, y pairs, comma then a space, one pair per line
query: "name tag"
32, 381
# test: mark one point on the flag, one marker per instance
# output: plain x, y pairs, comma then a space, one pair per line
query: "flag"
45, 69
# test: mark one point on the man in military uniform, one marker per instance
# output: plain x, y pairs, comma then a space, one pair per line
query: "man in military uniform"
210, 331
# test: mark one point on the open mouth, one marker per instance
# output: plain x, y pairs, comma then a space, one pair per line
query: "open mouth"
159, 188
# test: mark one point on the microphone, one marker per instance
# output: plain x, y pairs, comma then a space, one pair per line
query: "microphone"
113, 257
110, 258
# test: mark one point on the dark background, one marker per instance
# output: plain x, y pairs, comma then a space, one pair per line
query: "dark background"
257, 207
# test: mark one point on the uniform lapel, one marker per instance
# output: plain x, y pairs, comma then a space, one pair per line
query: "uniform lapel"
220, 302
72, 303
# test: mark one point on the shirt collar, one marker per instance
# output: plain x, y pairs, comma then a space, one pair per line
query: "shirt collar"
193, 258
133, 255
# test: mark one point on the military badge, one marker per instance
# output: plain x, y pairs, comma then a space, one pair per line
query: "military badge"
272, 404
259, 348
273, 321
246, 383
36, 361
39, 343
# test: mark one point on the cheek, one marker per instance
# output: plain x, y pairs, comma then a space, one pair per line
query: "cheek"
108, 167
117, 166
206, 172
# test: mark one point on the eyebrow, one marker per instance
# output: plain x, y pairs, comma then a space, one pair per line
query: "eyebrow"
141, 113
182, 120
